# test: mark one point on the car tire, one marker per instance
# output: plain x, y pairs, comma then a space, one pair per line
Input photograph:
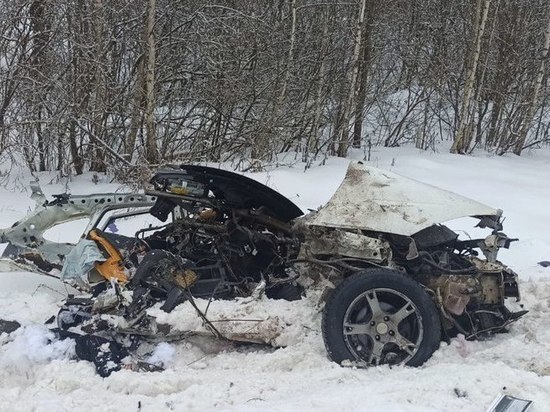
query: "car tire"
380, 316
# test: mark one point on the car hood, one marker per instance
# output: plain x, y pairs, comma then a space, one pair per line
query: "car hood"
381, 201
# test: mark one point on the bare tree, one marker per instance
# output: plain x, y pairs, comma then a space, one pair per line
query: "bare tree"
104, 86
463, 134
150, 142
342, 133
535, 92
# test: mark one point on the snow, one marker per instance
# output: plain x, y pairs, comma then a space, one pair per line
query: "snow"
34, 344
203, 374
163, 355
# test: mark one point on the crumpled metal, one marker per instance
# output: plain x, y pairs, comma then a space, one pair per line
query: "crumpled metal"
79, 261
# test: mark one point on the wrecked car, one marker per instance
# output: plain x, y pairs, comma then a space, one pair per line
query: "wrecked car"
398, 281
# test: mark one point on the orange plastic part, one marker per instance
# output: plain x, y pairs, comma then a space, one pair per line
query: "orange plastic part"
112, 268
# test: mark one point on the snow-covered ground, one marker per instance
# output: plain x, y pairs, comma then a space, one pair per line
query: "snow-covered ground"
205, 375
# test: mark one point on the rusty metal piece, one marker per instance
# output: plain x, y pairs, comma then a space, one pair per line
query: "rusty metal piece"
492, 286
39, 261
186, 279
343, 243
208, 215
456, 291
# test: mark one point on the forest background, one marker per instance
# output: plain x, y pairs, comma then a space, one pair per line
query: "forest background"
111, 86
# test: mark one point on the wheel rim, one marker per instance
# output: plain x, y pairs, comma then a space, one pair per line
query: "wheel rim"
382, 326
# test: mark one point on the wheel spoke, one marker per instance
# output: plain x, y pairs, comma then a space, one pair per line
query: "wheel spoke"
375, 356
383, 316
374, 305
404, 343
402, 313
357, 329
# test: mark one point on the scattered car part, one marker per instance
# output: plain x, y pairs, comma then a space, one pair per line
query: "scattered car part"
8, 326
507, 403
112, 267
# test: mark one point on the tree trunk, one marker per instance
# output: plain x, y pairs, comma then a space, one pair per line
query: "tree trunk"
364, 65
136, 107
313, 140
290, 56
342, 134
74, 148
461, 137
40, 39
150, 142
97, 132
273, 118
528, 119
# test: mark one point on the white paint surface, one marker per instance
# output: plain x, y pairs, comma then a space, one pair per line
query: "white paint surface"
382, 201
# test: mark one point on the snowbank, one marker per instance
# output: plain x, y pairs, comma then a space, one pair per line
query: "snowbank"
203, 374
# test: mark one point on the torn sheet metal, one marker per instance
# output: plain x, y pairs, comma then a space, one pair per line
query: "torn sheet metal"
79, 261
25, 238
378, 200
341, 243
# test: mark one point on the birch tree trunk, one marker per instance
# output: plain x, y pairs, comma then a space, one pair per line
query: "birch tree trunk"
150, 137
40, 39
364, 66
136, 106
290, 56
100, 90
73, 90
313, 139
342, 135
528, 119
463, 128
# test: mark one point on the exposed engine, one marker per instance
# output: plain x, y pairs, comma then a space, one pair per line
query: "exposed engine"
230, 250
470, 290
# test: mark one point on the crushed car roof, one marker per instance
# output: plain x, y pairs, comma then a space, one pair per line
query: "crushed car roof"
382, 201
